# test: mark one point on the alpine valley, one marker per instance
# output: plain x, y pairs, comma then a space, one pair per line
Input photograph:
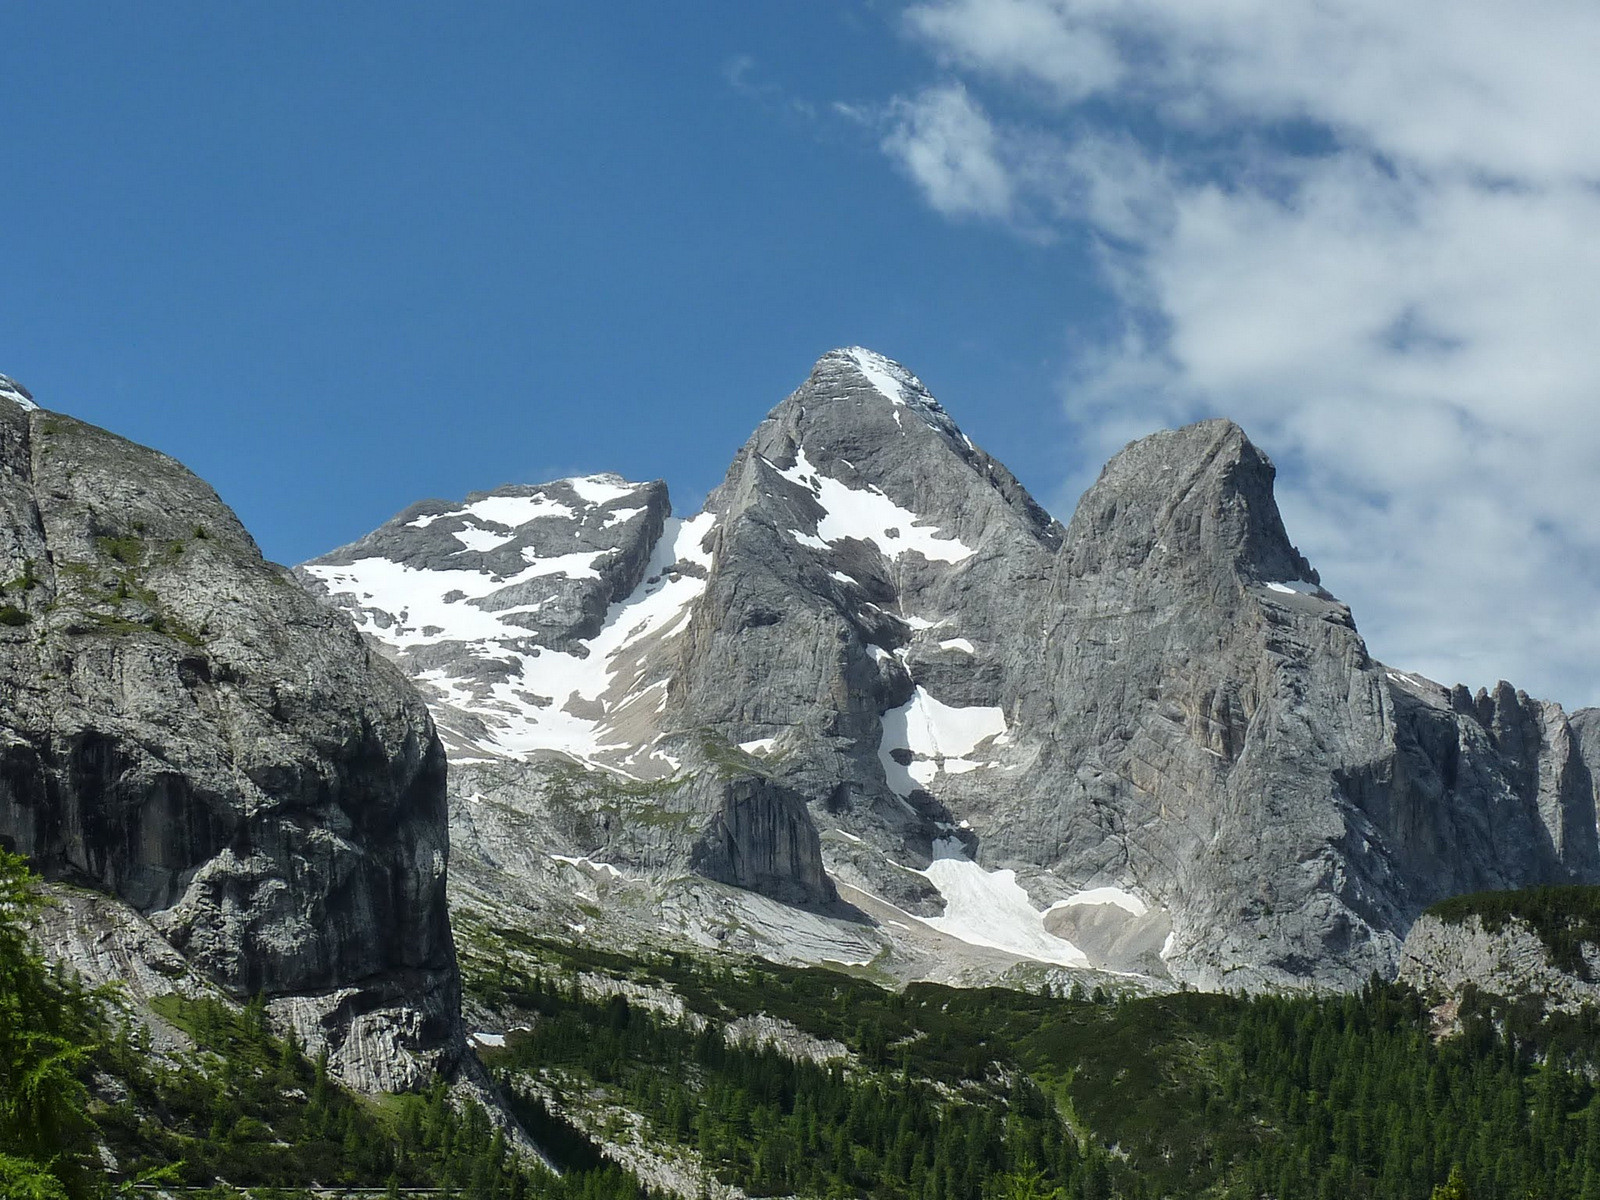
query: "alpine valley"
868, 832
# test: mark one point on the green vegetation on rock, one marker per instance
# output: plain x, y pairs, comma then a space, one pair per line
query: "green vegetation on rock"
941, 1092
1564, 918
81, 1089
996, 1093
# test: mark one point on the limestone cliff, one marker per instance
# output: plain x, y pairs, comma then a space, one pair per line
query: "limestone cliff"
184, 729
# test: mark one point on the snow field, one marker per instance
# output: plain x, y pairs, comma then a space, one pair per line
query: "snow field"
869, 516
939, 737
548, 700
990, 908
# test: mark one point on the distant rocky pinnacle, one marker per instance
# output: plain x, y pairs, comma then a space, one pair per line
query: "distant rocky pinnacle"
245, 788
874, 705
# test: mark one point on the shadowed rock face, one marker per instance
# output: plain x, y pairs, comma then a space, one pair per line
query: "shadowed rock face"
763, 839
872, 631
182, 727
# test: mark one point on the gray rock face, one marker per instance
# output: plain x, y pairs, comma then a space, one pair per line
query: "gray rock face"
1294, 802
1148, 741
1441, 958
544, 624
183, 728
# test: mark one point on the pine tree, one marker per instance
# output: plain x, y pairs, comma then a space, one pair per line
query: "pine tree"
49, 1026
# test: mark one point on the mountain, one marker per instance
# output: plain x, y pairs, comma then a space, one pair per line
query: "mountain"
231, 789
874, 706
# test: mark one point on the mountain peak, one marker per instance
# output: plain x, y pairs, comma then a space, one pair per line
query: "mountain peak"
1202, 493
13, 391
841, 373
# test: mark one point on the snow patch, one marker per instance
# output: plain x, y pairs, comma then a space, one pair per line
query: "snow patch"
990, 908
880, 373
590, 864
938, 736
17, 394
602, 489
1406, 679
496, 1040
960, 644
574, 566
1294, 587
516, 510
868, 515
758, 745
481, 540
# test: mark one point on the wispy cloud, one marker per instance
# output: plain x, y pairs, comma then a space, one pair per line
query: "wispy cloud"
1366, 231
746, 76
948, 146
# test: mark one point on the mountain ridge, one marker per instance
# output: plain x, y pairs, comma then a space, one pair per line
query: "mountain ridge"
980, 711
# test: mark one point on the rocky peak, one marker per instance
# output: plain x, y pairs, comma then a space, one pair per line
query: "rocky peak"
13, 391
869, 425
1150, 742
527, 613
1199, 498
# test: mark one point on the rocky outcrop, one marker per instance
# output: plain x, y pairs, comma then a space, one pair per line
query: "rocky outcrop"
1225, 737
186, 730
1443, 958
762, 838
1148, 741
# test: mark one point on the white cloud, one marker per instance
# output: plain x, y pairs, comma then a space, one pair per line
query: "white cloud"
1444, 83
946, 144
1397, 295
1021, 40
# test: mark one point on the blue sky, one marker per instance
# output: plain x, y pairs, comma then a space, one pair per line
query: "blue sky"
338, 258
341, 257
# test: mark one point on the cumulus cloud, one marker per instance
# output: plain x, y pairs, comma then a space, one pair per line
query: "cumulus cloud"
950, 149
1367, 232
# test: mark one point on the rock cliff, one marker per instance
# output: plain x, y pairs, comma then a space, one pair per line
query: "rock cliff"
1499, 953
186, 730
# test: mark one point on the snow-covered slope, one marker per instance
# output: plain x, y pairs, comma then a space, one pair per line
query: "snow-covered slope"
536, 620
13, 391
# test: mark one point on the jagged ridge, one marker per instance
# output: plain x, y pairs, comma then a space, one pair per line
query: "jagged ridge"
1150, 741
